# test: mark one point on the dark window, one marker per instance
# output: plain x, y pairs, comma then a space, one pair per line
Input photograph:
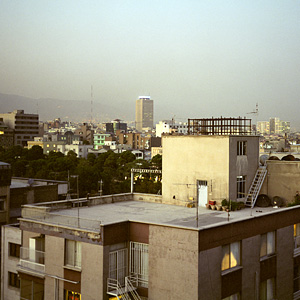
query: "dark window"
14, 249
13, 280
241, 147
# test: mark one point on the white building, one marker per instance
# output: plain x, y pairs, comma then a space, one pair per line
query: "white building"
77, 147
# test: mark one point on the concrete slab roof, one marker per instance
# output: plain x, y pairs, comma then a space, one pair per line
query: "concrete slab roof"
161, 214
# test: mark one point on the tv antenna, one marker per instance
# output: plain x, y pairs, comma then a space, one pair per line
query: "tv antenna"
255, 113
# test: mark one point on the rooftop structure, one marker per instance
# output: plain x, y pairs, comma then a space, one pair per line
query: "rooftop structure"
219, 126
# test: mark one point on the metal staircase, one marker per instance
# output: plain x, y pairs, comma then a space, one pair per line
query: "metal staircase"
127, 292
256, 186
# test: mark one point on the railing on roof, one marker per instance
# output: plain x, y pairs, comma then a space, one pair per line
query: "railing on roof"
219, 126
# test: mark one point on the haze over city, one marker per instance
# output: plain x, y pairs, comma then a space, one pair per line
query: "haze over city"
194, 58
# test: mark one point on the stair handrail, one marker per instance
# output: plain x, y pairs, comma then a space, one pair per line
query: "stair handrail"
114, 285
131, 288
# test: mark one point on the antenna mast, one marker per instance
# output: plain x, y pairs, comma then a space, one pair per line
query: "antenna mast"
91, 104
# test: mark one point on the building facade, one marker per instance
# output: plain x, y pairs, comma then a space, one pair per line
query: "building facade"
25, 126
157, 251
144, 113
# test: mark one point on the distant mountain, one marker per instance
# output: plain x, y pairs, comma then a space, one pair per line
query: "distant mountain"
67, 110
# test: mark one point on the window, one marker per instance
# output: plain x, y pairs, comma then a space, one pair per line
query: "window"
14, 250
118, 261
31, 290
241, 187
13, 280
233, 297
297, 235
231, 255
267, 244
73, 254
296, 278
267, 289
139, 262
69, 295
241, 147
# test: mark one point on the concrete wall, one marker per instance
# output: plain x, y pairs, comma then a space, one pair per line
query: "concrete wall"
285, 262
209, 284
283, 179
173, 263
240, 165
10, 234
191, 158
54, 262
251, 267
92, 282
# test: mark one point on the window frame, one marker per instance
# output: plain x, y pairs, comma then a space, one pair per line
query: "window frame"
241, 148
14, 250
241, 186
139, 262
73, 259
264, 292
227, 262
13, 280
267, 244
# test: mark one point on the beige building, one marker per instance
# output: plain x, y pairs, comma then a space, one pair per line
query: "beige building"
26, 126
206, 168
144, 113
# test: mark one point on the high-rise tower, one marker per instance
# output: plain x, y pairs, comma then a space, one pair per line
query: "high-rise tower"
144, 113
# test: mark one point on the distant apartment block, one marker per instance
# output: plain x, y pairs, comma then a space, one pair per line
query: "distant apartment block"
144, 113
25, 126
99, 139
169, 126
274, 126
115, 125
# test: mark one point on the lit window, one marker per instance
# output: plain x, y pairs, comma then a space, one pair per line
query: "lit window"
73, 254
13, 280
70, 295
231, 255
241, 187
267, 244
267, 289
241, 147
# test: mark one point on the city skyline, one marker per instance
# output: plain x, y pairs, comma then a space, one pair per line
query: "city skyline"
195, 59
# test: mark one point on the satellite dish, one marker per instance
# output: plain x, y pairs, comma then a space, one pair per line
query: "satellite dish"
277, 201
263, 201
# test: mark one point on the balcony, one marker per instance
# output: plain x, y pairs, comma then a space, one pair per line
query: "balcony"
32, 261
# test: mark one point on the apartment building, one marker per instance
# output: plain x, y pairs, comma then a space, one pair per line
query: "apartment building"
25, 126
116, 246
5, 181
144, 113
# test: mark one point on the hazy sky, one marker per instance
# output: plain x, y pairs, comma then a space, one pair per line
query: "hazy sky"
195, 58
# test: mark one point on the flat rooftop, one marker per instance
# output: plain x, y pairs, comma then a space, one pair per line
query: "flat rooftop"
154, 213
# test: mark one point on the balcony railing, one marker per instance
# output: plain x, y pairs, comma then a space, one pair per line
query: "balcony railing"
32, 260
